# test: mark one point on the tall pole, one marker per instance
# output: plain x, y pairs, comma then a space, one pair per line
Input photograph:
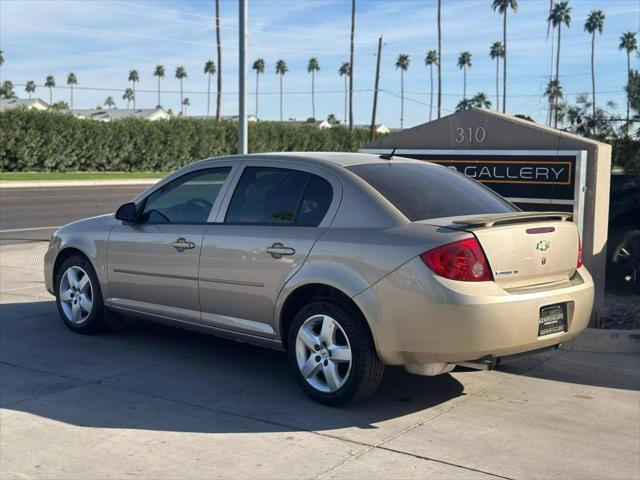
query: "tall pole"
219, 78
372, 131
353, 26
439, 61
242, 68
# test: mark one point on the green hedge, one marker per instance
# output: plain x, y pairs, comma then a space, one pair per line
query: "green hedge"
626, 154
50, 141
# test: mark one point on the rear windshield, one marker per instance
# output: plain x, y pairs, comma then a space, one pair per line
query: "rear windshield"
422, 191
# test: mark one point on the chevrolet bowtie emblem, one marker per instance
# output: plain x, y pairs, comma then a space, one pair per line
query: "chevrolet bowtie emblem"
543, 245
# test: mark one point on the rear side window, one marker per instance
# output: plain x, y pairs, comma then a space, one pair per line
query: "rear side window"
315, 202
278, 196
422, 191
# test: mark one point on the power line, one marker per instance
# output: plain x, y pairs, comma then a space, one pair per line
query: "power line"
193, 92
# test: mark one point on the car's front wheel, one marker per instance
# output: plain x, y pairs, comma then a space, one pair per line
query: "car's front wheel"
78, 296
332, 354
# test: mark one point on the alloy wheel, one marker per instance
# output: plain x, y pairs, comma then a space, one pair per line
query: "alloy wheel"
76, 295
323, 353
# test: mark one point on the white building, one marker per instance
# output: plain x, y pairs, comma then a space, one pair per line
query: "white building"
380, 128
27, 103
105, 115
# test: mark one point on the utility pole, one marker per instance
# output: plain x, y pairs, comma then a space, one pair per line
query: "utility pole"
372, 132
242, 67
219, 77
353, 26
439, 59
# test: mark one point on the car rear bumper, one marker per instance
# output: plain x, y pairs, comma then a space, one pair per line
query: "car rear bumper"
416, 317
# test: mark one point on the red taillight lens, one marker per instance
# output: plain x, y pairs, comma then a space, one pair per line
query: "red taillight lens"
463, 260
579, 262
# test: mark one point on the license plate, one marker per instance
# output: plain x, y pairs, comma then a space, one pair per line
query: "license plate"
553, 319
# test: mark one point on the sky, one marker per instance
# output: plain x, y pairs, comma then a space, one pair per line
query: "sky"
100, 41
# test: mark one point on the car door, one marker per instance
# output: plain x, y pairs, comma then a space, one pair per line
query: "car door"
265, 229
153, 263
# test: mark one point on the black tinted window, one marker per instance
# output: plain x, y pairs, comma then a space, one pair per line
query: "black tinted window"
422, 191
315, 202
187, 199
267, 195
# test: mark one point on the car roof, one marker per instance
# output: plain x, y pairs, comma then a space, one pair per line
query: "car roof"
340, 159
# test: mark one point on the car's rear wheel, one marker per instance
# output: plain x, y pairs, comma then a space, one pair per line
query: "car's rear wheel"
78, 296
332, 354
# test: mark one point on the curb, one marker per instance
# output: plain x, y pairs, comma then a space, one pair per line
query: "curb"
76, 183
605, 341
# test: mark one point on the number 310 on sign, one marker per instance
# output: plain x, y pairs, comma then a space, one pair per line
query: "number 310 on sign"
470, 135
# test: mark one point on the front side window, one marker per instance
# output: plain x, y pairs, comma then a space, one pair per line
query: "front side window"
187, 199
278, 196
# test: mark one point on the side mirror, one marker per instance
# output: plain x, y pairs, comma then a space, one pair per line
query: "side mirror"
128, 213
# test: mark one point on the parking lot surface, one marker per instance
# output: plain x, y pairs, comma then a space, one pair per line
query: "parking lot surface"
156, 402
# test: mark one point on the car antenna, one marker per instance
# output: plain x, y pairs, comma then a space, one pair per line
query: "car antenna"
388, 156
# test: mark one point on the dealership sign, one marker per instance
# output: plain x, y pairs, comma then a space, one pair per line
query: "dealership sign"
495, 171
532, 179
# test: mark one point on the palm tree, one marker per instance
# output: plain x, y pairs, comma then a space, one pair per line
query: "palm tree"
402, 63
109, 103
343, 71
159, 72
258, 66
209, 69
281, 69
439, 58
430, 60
133, 78
593, 25
561, 13
30, 87
185, 104
71, 81
50, 82
353, 30
481, 100
503, 6
1, 63
496, 52
464, 104
464, 62
128, 96
554, 93
312, 67
6, 90
181, 74
219, 78
628, 43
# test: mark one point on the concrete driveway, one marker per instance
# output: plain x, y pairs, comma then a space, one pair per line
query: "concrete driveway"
157, 402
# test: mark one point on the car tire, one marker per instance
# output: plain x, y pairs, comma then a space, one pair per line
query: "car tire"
78, 296
332, 354
624, 260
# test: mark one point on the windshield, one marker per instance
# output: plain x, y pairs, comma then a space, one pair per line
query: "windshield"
423, 190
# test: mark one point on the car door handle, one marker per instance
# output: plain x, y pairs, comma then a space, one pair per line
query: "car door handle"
277, 250
181, 245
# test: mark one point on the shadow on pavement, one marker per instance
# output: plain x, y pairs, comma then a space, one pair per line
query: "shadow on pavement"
106, 380
621, 371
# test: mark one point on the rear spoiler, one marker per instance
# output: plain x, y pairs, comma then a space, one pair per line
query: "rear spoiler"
515, 217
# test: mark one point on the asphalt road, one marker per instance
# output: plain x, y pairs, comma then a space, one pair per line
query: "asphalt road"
32, 214
154, 402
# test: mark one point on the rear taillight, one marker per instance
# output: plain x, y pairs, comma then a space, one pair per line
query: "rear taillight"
579, 262
463, 260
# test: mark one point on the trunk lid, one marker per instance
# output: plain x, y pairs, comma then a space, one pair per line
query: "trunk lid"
523, 248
